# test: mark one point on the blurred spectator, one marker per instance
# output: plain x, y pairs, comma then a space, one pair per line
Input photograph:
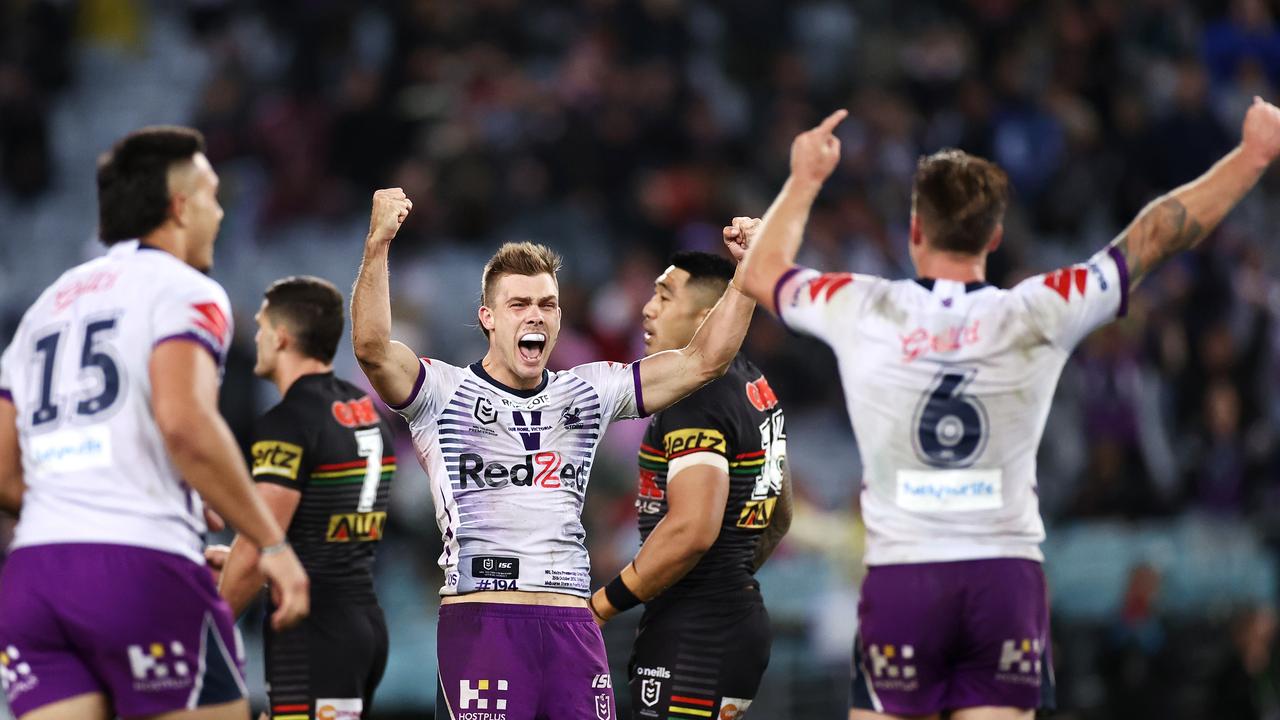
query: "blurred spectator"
1247, 686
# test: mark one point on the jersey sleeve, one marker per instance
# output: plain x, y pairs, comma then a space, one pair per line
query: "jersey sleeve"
280, 450
618, 385
700, 423
7, 371
821, 304
198, 312
1069, 303
431, 389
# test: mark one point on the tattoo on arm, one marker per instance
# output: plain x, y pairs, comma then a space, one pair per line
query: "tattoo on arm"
1163, 229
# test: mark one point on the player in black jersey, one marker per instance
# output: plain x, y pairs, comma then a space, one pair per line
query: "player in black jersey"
714, 500
323, 461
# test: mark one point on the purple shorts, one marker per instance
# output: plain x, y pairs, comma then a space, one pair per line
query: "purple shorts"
145, 628
521, 662
935, 637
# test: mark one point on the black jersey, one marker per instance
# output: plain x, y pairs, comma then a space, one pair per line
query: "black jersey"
736, 416
326, 440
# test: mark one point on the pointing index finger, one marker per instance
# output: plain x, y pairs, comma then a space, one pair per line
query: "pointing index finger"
833, 120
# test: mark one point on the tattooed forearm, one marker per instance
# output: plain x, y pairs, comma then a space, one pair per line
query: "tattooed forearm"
1163, 229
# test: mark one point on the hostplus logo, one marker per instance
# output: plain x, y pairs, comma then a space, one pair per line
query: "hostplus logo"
892, 667
16, 676
474, 700
159, 667
1020, 661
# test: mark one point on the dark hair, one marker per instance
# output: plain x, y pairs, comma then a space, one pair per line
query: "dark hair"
312, 308
133, 179
959, 199
709, 271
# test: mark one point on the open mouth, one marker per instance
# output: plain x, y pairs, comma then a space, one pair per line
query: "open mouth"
531, 346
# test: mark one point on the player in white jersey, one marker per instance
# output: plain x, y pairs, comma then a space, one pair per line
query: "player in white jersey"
947, 382
109, 437
509, 447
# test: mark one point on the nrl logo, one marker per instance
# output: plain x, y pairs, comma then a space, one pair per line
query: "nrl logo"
602, 707
484, 411
650, 689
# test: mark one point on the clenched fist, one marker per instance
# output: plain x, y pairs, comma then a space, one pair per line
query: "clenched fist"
1261, 134
739, 234
814, 153
390, 208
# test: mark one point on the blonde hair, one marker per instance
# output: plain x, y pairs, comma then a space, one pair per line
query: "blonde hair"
522, 258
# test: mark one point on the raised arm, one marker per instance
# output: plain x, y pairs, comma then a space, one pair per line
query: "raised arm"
1180, 219
814, 155
668, 376
392, 368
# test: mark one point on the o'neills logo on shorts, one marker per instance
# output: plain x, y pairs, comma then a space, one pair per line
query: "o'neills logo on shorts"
658, 672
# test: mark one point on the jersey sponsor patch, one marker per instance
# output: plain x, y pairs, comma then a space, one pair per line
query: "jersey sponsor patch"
691, 440
354, 413
756, 514
733, 708
339, 708
276, 457
356, 527
1061, 281
828, 284
72, 450
950, 490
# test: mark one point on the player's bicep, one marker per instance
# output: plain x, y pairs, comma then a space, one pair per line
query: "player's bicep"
397, 377
667, 377
1069, 303
184, 383
282, 501
697, 489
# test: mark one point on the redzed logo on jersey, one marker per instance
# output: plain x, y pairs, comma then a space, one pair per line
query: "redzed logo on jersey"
827, 285
1060, 281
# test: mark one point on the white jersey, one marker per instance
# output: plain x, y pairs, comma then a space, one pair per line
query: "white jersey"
948, 387
77, 371
509, 469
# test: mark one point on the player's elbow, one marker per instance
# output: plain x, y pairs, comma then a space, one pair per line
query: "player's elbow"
695, 537
370, 350
183, 429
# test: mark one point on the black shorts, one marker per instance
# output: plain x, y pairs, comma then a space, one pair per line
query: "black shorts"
699, 654
329, 665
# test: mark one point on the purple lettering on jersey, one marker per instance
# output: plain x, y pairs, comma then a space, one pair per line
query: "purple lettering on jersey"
1122, 267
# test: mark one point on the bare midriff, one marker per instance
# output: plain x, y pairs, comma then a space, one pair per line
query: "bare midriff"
517, 597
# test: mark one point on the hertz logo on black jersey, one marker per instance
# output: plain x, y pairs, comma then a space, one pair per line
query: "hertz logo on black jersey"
273, 457
684, 439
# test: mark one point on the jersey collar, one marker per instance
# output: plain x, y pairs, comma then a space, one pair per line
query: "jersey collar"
928, 283
479, 370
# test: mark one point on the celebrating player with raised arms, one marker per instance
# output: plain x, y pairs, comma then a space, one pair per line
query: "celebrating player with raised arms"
509, 447
109, 417
323, 463
714, 501
948, 382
